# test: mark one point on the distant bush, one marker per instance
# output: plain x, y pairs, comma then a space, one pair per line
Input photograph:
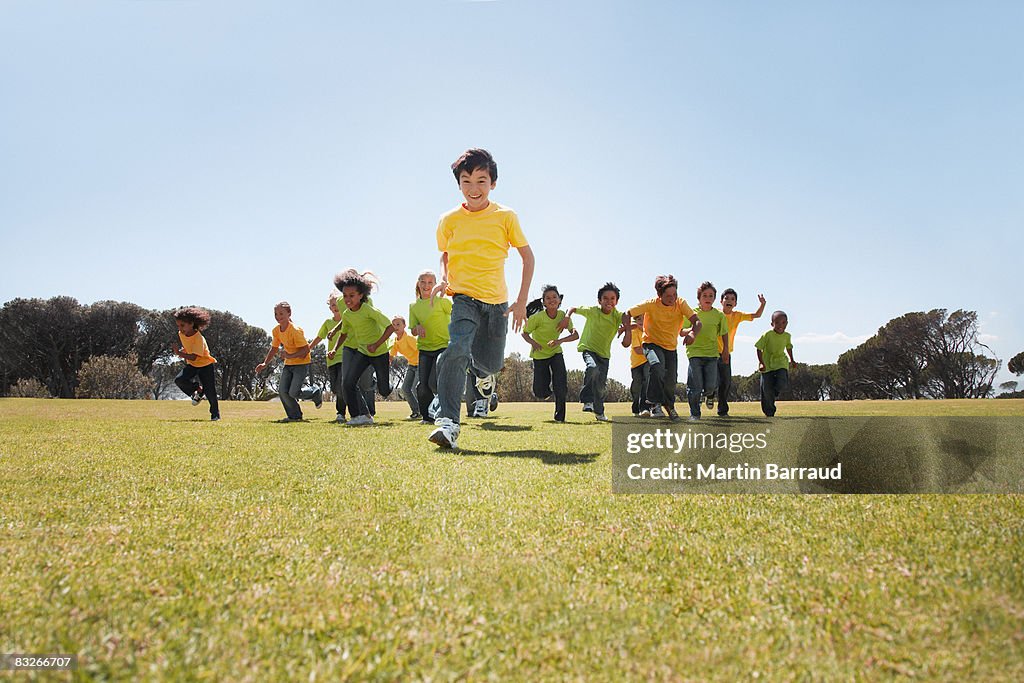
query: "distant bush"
29, 388
113, 377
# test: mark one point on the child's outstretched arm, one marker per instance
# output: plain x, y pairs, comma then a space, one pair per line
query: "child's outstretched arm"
695, 326
388, 331
627, 330
564, 322
266, 361
518, 309
533, 344
760, 309
760, 361
297, 353
335, 330
442, 283
792, 363
180, 352
557, 342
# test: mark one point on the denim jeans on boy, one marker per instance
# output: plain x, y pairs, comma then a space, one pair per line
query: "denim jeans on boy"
549, 377
772, 385
426, 379
661, 389
595, 381
334, 376
476, 340
290, 389
409, 389
206, 384
701, 378
724, 387
641, 375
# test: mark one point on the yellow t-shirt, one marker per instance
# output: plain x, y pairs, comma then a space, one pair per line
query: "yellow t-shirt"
293, 337
408, 348
734, 318
477, 244
662, 323
636, 359
197, 344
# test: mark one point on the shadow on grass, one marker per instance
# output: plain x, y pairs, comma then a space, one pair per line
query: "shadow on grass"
493, 427
546, 457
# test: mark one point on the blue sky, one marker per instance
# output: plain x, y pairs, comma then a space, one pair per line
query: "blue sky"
853, 161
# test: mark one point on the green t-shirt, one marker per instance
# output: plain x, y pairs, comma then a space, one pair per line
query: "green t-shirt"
350, 342
332, 344
544, 329
773, 350
599, 331
366, 326
713, 326
435, 320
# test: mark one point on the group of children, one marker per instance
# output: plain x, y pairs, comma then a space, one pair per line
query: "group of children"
456, 346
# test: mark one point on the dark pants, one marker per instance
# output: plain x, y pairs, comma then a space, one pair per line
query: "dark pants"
772, 385
426, 390
409, 389
661, 389
701, 378
724, 386
204, 380
354, 369
335, 375
549, 376
638, 388
366, 387
595, 381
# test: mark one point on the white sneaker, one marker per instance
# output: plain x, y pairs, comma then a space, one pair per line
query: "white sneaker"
340, 419
694, 418
645, 413
480, 408
447, 433
361, 421
433, 409
197, 398
600, 417
588, 407
656, 411
485, 385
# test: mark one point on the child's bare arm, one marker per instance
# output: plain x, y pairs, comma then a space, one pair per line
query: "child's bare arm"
531, 342
388, 331
442, 284
760, 360
695, 326
792, 363
725, 348
564, 322
518, 309
760, 309
572, 337
266, 361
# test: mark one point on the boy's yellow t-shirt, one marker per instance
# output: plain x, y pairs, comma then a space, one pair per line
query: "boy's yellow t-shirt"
292, 338
636, 359
477, 244
408, 348
197, 344
734, 318
662, 323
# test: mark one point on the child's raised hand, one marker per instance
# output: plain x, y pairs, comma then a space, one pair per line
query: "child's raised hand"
760, 299
518, 311
259, 368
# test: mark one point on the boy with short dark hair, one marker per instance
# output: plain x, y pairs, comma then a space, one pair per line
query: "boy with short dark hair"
772, 348
725, 367
474, 239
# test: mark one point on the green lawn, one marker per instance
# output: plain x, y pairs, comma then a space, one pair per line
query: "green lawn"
156, 544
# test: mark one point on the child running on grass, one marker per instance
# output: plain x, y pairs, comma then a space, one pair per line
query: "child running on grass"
370, 329
640, 373
334, 355
541, 333
725, 368
429, 317
772, 348
603, 323
405, 344
289, 341
663, 322
703, 354
197, 379
474, 240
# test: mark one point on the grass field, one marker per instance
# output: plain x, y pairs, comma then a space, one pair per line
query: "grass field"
156, 544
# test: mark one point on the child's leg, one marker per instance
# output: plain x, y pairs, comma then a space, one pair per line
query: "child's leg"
560, 385
724, 385
426, 388
589, 378
768, 392
382, 368
695, 385
488, 349
186, 380
656, 378
542, 377
368, 391
671, 375
451, 366
335, 375
409, 389
290, 388
208, 377
600, 383
355, 365
637, 388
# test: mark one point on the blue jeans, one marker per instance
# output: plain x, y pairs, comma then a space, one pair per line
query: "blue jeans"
664, 369
724, 386
409, 388
701, 378
290, 389
476, 341
772, 385
595, 381
641, 375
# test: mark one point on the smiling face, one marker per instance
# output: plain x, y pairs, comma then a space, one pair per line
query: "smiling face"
728, 302
608, 301
353, 299
282, 316
475, 187
668, 297
186, 327
333, 305
551, 302
425, 285
779, 323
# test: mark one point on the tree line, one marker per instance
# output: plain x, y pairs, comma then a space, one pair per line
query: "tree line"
47, 343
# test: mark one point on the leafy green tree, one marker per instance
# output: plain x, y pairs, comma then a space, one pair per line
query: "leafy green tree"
113, 377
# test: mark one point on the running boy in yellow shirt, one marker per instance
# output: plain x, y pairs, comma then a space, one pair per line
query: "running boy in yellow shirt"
474, 239
725, 367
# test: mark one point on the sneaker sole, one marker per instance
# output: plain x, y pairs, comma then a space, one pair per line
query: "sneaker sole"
440, 439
